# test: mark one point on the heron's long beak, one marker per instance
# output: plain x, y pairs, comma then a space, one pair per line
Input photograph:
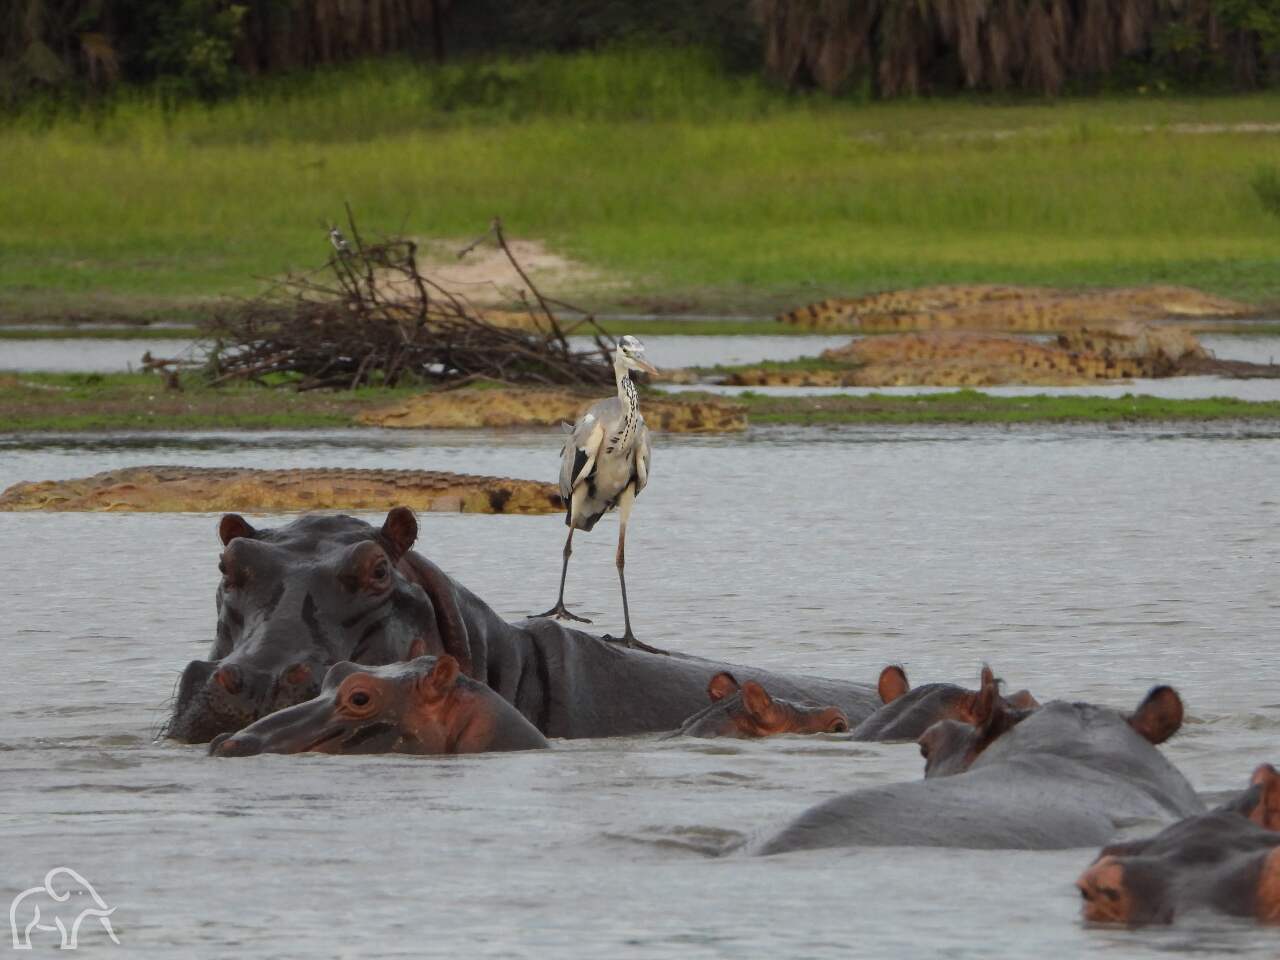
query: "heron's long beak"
645, 365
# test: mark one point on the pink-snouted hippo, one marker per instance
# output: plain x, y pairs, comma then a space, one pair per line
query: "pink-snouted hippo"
747, 711
426, 706
1226, 861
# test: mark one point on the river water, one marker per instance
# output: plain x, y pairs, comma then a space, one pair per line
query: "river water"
1082, 561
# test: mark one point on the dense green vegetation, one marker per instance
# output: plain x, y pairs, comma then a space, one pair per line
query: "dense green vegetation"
737, 197
883, 48
94, 402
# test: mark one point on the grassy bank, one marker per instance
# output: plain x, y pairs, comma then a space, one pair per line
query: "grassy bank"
652, 167
91, 402
659, 172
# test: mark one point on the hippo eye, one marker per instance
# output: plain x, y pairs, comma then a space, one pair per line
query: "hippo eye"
360, 698
380, 571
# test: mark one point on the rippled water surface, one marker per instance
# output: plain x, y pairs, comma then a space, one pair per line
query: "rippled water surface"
1082, 562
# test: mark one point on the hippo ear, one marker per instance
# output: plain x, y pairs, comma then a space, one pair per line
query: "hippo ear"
893, 683
991, 714
1022, 700
986, 702
757, 700
1159, 716
437, 684
1267, 812
400, 531
231, 526
723, 684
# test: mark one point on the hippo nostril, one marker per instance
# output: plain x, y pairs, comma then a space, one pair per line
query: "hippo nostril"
839, 726
228, 678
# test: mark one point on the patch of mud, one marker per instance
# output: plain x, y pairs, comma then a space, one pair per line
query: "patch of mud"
471, 409
485, 278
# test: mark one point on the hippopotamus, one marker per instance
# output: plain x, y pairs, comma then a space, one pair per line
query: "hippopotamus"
908, 712
747, 711
1065, 775
1227, 860
294, 601
424, 706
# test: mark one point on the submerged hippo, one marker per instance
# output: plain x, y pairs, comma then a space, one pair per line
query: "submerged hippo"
910, 711
295, 600
748, 712
1065, 775
1227, 860
425, 706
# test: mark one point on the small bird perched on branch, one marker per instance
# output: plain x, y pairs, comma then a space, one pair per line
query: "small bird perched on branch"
605, 464
339, 241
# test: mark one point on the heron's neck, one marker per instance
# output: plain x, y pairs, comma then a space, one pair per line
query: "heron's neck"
626, 389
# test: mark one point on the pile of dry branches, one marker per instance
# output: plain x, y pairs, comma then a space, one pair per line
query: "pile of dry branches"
371, 316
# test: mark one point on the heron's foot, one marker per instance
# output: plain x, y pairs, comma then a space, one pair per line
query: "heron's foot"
629, 641
560, 612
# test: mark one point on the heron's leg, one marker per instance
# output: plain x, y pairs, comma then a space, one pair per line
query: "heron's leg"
624, 514
559, 611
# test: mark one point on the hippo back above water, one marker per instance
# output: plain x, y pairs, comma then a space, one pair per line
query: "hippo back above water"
1067, 775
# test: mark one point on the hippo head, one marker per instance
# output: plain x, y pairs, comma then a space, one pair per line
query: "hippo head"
1228, 860
950, 747
294, 600
425, 706
747, 712
908, 712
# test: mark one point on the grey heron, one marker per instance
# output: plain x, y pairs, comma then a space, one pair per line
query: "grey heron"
605, 464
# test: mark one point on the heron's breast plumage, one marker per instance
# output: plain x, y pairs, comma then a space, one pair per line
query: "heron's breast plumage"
623, 431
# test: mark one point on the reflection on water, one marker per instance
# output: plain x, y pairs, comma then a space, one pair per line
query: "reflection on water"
1080, 561
89, 356
117, 356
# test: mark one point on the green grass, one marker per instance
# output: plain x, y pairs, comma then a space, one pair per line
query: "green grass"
674, 178
112, 402
38, 402
90, 332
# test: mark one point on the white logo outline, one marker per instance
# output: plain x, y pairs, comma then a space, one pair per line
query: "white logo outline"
70, 938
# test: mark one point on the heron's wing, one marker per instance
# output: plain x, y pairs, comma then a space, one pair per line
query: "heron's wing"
582, 445
642, 449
